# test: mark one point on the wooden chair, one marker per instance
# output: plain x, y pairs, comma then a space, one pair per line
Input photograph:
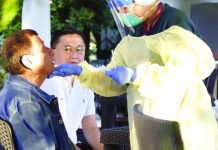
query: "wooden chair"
156, 134
6, 137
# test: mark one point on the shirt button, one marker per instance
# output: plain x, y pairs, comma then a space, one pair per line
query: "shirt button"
55, 102
60, 121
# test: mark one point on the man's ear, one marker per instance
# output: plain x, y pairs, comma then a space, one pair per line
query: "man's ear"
26, 60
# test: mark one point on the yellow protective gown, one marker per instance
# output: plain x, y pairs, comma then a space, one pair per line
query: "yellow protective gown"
170, 68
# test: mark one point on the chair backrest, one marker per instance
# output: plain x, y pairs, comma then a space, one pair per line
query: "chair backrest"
113, 111
6, 137
156, 134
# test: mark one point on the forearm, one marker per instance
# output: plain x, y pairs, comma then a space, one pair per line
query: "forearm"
100, 83
93, 138
91, 132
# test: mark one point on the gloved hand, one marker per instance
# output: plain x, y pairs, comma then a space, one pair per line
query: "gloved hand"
66, 70
121, 75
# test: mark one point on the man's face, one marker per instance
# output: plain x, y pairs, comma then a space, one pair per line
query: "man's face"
138, 9
69, 49
42, 57
135, 9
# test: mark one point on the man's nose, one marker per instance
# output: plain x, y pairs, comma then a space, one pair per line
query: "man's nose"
73, 55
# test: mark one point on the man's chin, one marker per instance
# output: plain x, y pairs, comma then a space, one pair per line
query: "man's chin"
52, 69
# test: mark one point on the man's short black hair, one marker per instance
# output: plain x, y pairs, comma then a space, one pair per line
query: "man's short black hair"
59, 33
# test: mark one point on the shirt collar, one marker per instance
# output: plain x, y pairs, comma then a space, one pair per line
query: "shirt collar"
22, 83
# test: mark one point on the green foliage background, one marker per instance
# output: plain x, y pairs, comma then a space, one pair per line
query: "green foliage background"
10, 17
86, 15
89, 16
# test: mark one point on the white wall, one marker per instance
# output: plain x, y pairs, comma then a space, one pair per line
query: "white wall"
36, 15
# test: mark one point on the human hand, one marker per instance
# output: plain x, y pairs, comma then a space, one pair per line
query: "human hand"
66, 70
121, 75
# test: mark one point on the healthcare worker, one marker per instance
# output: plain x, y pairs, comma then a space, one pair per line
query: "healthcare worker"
147, 17
164, 73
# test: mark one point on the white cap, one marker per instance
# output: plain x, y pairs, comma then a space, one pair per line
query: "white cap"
144, 2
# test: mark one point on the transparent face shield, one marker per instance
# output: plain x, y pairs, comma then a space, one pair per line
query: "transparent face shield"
123, 12
117, 7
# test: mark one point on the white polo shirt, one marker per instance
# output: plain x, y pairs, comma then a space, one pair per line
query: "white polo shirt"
75, 102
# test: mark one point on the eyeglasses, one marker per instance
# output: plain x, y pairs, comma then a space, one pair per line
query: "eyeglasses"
78, 49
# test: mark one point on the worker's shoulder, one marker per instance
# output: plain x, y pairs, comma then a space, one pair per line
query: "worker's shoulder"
173, 13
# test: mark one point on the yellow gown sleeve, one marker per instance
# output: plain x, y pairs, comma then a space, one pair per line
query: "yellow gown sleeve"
101, 84
96, 80
185, 59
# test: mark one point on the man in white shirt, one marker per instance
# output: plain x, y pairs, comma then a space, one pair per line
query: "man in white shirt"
76, 103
